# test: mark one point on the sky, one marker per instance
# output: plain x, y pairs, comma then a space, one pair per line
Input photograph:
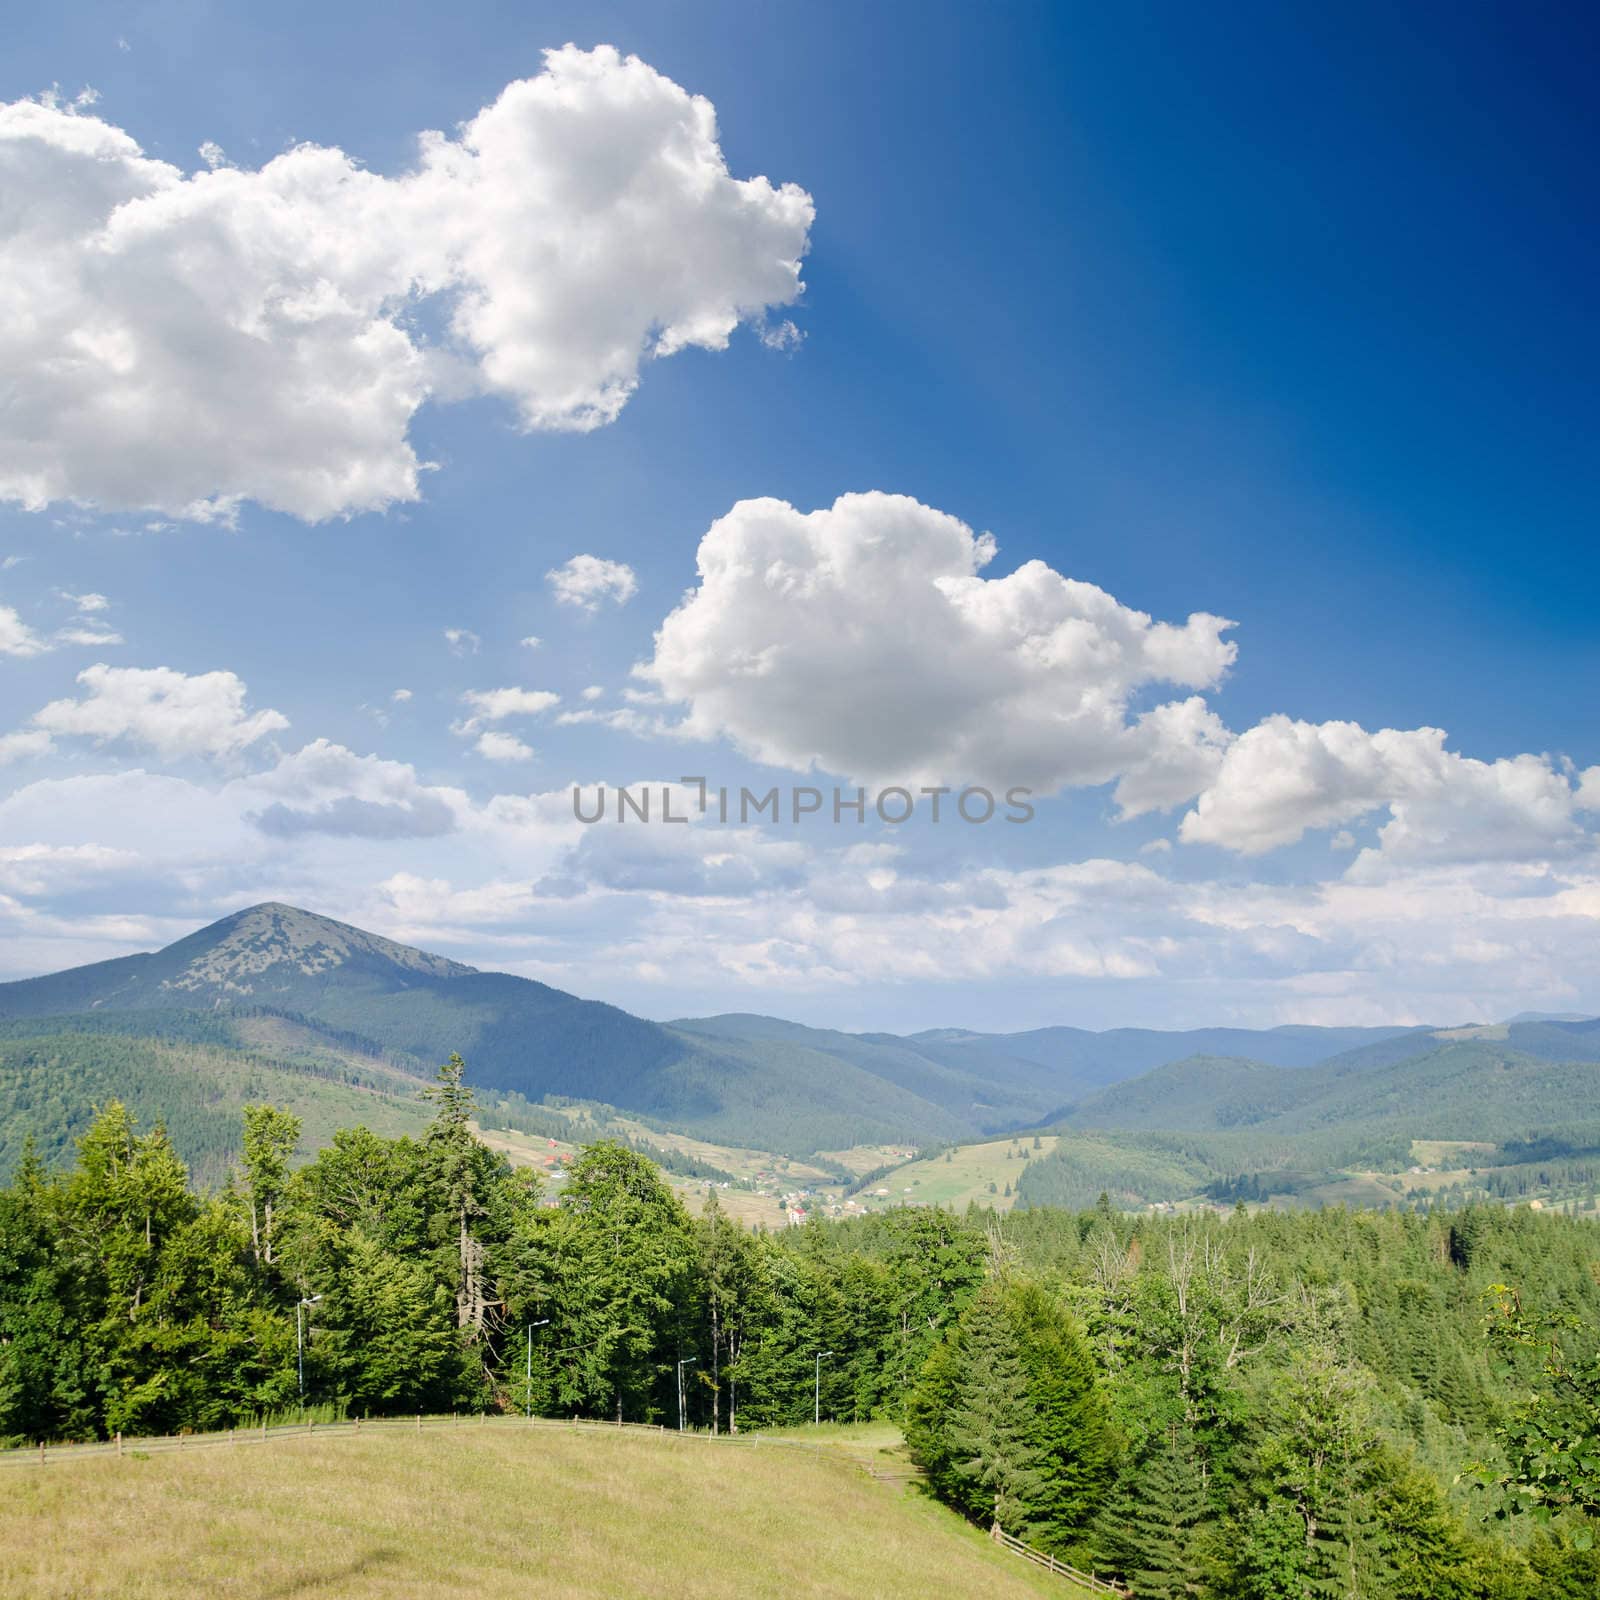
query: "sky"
410, 416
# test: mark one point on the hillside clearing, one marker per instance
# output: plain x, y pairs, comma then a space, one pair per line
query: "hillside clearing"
965, 1174
487, 1511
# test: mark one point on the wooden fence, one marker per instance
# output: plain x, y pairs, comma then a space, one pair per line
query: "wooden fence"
42, 1454
1085, 1580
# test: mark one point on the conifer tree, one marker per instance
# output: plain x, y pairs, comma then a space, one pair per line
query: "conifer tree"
1153, 1531
994, 1461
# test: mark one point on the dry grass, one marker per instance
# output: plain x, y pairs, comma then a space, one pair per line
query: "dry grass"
486, 1511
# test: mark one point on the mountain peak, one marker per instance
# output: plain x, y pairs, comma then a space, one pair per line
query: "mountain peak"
265, 944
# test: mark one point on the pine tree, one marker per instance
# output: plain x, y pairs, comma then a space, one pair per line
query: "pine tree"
1153, 1531
989, 1435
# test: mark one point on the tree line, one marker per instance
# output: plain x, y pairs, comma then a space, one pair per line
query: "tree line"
1263, 1405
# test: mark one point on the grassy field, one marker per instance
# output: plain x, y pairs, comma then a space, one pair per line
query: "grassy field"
964, 1176
490, 1511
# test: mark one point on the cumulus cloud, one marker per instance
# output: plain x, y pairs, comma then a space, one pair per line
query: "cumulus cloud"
184, 342
1284, 778
862, 639
462, 641
585, 581
171, 712
502, 747
325, 788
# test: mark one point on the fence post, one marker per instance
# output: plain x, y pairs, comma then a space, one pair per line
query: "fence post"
119, 1441
419, 1422
41, 1452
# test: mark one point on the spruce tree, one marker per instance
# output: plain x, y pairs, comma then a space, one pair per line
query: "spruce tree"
993, 1456
1153, 1531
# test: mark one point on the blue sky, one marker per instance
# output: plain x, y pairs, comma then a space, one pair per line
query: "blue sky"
1249, 313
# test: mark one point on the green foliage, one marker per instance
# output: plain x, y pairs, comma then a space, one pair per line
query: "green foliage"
1551, 1437
1243, 1406
1008, 1420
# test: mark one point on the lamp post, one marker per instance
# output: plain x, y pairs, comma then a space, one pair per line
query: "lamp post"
688, 1361
541, 1323
816, 1411
300, 1343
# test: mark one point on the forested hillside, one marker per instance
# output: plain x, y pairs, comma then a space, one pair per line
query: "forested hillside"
746, 1080
1246, 1405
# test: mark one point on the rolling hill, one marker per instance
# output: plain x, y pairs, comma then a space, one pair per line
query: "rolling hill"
548, 1509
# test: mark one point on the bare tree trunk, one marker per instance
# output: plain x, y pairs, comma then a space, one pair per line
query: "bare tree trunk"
716, 1370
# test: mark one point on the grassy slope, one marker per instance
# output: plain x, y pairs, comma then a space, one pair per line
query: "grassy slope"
488, 1512
966, 1176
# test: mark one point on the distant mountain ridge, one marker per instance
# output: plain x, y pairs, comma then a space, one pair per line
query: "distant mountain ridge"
746, 1079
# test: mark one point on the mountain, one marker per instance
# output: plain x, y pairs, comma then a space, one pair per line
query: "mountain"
1083, 1062
278, 1001
988, 1093
1435, 1084
518, 1036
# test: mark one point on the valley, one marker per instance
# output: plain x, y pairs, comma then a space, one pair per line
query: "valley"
785, 1121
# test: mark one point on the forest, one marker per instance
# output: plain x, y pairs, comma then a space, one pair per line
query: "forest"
1230, 1403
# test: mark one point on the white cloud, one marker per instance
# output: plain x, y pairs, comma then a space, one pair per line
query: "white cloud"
502, 747
462, 641
21, 745
38, 869
496, 705
530, 641
593, 692
325, 789
400, 696
171, 712
675, 918
860, 639
585, 581
90, 634
1284, 778
182, 343
17, 638
1177, 749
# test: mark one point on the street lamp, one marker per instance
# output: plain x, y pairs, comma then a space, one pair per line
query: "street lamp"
688, 1361
300, 1343
816, 1412
541, 1323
